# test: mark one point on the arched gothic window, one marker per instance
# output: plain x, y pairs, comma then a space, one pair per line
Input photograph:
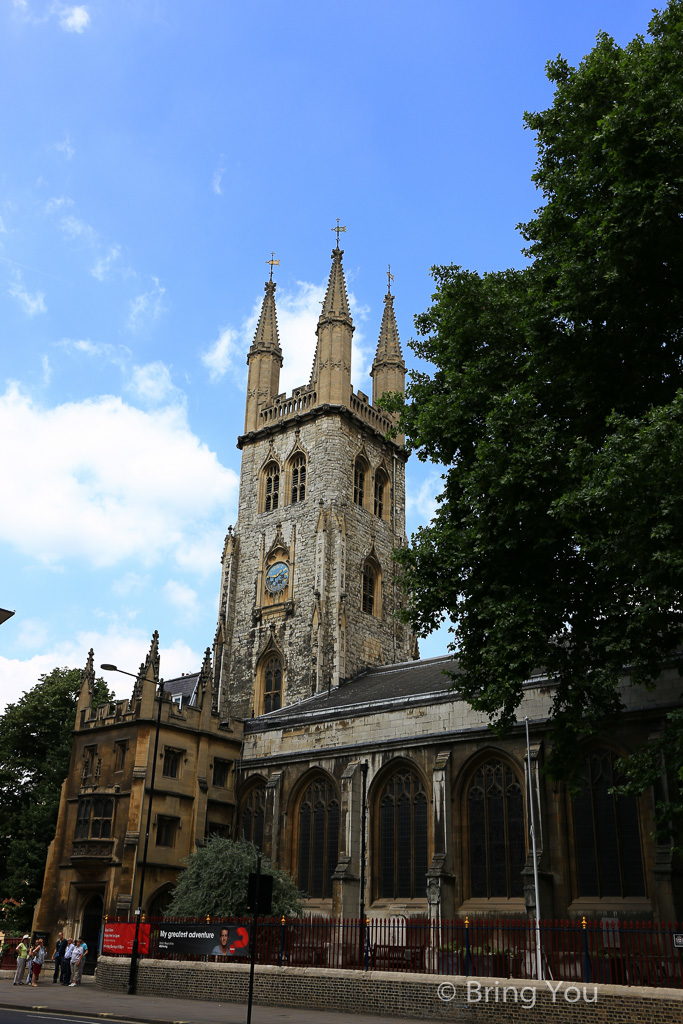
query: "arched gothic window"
606, 833
402, 837
298, 470
318, 839
252, 816
380, 493
271, 487
495, 807
272, 685
359, 482
370, 583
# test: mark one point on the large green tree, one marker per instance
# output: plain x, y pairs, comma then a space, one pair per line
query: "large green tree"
215, 880
555, 409
36, 736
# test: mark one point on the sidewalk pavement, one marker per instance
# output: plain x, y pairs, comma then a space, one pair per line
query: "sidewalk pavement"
89, 1001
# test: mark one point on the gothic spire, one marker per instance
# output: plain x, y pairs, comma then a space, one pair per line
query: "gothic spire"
266, 338
149, 669
336, 302
389, 345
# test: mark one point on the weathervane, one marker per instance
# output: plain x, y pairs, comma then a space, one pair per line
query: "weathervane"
390, 278
338, 229
273, 263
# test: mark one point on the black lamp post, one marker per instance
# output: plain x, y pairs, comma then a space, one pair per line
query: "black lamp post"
133, 973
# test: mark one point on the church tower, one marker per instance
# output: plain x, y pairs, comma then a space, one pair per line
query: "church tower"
308, 594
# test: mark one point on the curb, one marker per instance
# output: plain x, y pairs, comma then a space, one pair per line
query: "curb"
85, 1016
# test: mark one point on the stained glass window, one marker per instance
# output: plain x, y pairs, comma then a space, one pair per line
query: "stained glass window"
252, 816
403, 837
318, 839
496, 832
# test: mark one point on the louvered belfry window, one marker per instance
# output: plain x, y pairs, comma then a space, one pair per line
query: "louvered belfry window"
272, 685
318, 839
497, 843
358, 482
403, 837
369, 580
380, 483
298, 479
272, 487
606, 833
252, 816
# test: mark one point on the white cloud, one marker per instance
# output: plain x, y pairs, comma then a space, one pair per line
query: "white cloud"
153, 383
221, 356
217, 178
147, 307
57, 203
74, 19
130, 583
100, 481
106, 262
65, 147
32, 633
421, 501
72, 227
182, 597
47, 370
126, 648
31, 303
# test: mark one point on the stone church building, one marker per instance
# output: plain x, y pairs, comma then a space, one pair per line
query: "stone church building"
313, 694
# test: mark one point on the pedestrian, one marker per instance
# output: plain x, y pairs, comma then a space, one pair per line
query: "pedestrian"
22, 953
77, 963
65, 978
38, 958
60, 950
29, 965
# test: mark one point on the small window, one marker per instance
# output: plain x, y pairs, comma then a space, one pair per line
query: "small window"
380, 492
89, 759
298, 479
171, 763
166, 831
272, 685
221, 772
219, 828
120, 751
359, 482
83, 819
369, 588
177, 699
272, 487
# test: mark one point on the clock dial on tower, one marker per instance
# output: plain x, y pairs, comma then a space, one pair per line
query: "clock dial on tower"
277, 578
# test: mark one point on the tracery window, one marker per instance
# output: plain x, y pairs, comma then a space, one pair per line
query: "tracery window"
359, 482
402, 837
271, 487
497, 845
298, 470
606, 833
253, 815
370, 586
94, 818
272, 685
318, 839
380, 489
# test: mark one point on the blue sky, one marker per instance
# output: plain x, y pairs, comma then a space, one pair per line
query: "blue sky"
153, 155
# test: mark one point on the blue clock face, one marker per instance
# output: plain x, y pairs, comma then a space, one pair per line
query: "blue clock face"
277, 578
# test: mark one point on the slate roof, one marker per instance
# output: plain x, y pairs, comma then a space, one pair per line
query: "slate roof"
185, 686
409, 683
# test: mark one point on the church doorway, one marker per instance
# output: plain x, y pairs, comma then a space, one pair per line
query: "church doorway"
91, 929
158, 905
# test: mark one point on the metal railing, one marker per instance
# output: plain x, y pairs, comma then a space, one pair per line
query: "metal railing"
594, 951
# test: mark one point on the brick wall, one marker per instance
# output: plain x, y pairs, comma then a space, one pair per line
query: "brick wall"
402, 995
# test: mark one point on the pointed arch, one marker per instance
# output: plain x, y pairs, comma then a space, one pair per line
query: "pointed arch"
296, 474
606, 831
252, 811
315, 812
493, 811
400, 808
382, 493
270, 680
361, 478
371, 585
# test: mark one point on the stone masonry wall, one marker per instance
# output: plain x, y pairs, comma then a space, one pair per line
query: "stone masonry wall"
400, 995
331, 441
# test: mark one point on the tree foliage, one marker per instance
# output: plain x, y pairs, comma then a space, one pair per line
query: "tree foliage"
214, 882
36, 736
555, 408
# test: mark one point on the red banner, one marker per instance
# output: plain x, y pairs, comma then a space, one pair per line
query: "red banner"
118, 938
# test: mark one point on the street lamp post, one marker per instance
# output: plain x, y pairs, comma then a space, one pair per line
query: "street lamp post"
133, 972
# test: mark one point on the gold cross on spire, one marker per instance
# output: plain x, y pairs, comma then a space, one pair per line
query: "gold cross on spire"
338, 229
390, 278
273, 263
